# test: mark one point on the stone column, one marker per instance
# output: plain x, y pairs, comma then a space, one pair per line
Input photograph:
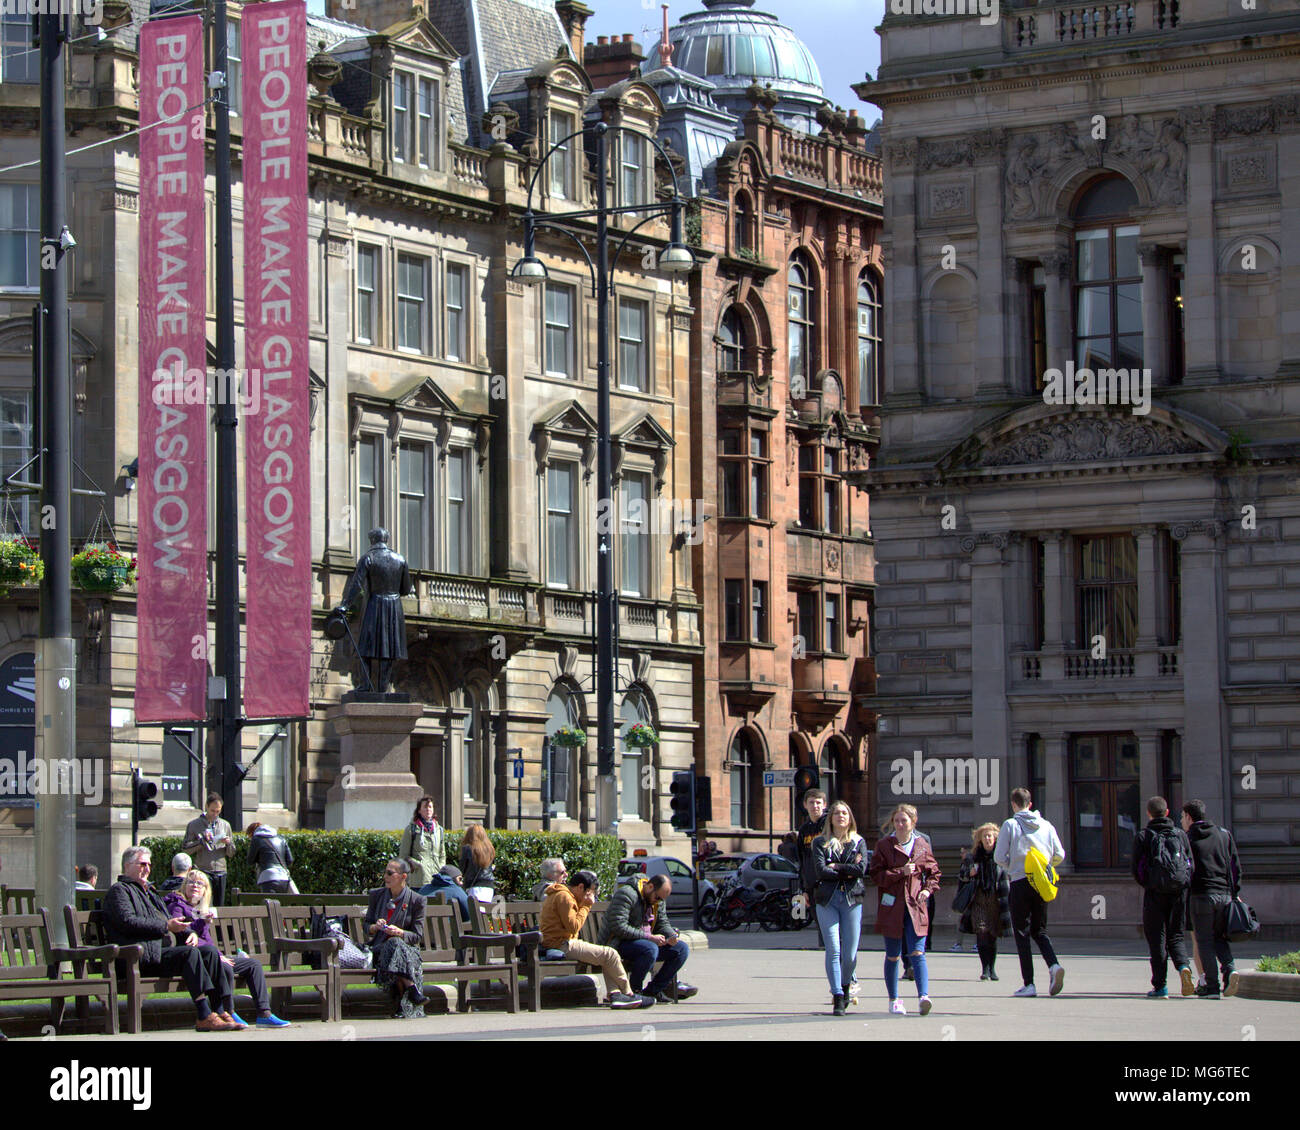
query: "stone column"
992, 372
990, 717
1201, 276
1204, 744
1155, 323
1144, 665
375, 788
1053, 663
902, 325
1149, 765
1055, 805
1056, 303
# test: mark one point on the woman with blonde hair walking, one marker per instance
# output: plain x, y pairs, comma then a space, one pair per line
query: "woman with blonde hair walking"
839, 865
906, 874
988, 915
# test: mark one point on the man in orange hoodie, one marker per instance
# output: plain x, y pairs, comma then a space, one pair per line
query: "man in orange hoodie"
564, 912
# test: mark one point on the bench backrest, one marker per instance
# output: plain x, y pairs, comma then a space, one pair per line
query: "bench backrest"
246, 928
258, 898
90, 900
18, 900
441, 932
24, 942
519, 917
294, 921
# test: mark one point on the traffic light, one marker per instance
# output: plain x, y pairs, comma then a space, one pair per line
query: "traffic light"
683, 800
703, 801
805, 777
146, 808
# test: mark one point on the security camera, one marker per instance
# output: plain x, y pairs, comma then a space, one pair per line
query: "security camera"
65, 239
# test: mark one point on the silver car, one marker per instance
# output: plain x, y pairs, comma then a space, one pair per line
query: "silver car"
761, 870
680, 902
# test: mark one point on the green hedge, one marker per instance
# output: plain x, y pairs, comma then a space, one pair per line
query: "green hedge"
352, 862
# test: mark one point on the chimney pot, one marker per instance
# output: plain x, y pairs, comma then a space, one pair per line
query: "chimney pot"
627, 37
602, 40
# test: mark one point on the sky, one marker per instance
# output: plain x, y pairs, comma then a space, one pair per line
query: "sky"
840, 33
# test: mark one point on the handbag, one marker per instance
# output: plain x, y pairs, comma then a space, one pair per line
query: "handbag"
325, 925
1236, 921
965, 893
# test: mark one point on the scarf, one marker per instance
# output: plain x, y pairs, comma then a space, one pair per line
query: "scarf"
426, 826
986, 870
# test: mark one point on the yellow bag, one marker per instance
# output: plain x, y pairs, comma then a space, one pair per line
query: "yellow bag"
1042, 876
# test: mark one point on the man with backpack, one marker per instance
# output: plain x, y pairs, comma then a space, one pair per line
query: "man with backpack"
1162, 863
1216, 879
1029, 849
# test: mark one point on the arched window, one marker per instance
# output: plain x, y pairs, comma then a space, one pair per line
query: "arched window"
803, 320
731, 341
635, 794
561, 762
868, 342
742, 767
1107, 286
471, 749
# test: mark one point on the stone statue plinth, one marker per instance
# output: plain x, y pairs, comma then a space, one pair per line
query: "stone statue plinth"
375, 787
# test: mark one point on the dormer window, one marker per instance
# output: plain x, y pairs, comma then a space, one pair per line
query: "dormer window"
561, 165
415, 120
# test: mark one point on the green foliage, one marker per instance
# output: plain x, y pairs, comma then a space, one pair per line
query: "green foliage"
692, 226
1236, 449
749, 255
352, 862
569, 736
20, 564
1281, 963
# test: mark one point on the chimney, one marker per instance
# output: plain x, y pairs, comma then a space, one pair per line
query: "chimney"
610, 60
573, 16
665, 44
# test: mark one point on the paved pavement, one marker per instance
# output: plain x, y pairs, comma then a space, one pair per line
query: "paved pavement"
756, 987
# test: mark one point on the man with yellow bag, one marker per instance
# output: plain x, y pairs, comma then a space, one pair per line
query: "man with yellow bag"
1030, 850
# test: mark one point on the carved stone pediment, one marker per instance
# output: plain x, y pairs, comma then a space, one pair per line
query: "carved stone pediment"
1083, 438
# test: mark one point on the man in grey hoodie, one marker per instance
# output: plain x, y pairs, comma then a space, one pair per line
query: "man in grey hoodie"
1024, 830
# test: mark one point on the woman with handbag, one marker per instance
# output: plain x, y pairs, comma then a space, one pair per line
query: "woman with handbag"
394, 924
422, 845
839, 866
269, 858
906, 874
987, 913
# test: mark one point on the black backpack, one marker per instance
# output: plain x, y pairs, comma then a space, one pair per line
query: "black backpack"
1168, 868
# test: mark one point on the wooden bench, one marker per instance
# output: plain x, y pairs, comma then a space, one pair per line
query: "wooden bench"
18, 900
445, 942
32, 968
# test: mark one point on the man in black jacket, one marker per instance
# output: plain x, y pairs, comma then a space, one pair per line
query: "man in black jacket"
1162, 863
1216, 879
134, 914
814, 804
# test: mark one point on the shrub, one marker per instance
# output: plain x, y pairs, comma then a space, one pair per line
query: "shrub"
1281, 963
352, 862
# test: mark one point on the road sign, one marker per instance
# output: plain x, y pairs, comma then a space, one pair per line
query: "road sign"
519, 768
779, 779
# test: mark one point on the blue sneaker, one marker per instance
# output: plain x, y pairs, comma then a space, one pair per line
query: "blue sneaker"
1158, 994
271, 1021
233, 1018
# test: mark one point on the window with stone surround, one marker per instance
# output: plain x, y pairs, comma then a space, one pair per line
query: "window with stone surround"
370, 488
740, 765
635, 535
743, 471
635, 798
1036, 759
20, 236
820, 487
1037, 327
561, 164
1037, 606
803, 322
234, 65
869, 391
415, 505
369, 273
19, 60
456, 311
413, 303
416, 119
561, 762
733, 611
1107, 287
1105, 799
562, 525
559, 317
731, 342
1107, 590
633, 345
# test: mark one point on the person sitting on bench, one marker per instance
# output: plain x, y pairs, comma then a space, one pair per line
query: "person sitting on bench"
134, 914
637, 925
563, 914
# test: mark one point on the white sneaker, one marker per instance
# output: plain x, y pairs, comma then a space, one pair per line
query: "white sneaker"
1188, 982
896, 1007
926, 1005
1058, 979
853, 991
1230, 989
1025, 991
1200, 981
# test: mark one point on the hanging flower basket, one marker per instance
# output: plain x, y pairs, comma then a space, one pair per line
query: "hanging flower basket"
101, 567
641, 736
20, 564
569, 736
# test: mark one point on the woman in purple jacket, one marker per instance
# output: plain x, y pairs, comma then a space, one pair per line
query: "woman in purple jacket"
193, 904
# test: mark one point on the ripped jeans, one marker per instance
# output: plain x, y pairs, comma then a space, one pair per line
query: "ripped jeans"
916, 949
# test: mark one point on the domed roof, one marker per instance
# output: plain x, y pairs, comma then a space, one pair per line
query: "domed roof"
733, 46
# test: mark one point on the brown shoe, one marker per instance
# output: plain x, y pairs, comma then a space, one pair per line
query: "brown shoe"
214, 1023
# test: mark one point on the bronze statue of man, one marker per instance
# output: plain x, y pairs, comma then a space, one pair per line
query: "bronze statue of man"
384, 578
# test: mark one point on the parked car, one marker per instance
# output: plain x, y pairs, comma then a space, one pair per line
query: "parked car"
680, 902
761, 870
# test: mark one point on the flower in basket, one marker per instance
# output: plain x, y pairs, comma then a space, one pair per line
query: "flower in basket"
641, 736
20, 564
102, 567
569, 736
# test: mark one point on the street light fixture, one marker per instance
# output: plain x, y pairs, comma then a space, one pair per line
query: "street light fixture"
675, 259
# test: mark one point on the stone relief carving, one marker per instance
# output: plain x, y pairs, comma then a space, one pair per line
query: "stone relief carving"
949, 199
1087, 439
1230, 120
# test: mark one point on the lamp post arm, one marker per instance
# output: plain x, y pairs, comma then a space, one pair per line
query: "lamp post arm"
551, 226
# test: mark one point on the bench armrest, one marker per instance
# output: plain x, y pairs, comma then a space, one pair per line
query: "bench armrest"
530, 937
83, 953
131, 954
303, 945
491, 939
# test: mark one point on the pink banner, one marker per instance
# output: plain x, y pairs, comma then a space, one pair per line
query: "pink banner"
172, 617
277, 475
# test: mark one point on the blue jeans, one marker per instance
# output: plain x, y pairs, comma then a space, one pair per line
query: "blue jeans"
841, 926
453, 892
915, 946
639, 957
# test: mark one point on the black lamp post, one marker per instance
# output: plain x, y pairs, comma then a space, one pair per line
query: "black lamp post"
676, 258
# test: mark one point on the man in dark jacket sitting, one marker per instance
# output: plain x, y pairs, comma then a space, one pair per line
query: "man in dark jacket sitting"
134, 914
636, 924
